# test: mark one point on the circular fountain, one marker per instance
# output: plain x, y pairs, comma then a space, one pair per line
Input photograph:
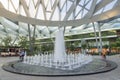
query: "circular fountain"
72, 61
59, 63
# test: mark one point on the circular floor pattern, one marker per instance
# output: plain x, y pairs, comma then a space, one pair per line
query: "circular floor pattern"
96, 66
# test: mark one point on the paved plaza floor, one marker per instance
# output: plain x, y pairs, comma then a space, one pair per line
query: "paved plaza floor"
112, 75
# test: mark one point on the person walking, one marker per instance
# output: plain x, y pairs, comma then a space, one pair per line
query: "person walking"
21, 56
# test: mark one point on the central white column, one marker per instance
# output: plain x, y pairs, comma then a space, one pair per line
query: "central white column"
59, 48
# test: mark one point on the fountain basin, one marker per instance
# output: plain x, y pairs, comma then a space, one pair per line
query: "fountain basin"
72, 61
96, 66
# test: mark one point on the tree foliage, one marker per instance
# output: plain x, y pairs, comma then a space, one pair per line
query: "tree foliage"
7, 41
23, 42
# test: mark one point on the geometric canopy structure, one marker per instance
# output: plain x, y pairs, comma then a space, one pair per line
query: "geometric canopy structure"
43, 17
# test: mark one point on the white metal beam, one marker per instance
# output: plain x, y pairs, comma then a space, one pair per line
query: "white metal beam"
53, 8
15, 17
71, 9
92, 8
25, 7
102, 4
44, 11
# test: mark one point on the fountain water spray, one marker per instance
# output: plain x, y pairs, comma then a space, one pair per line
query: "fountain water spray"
59, 50
59, 59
